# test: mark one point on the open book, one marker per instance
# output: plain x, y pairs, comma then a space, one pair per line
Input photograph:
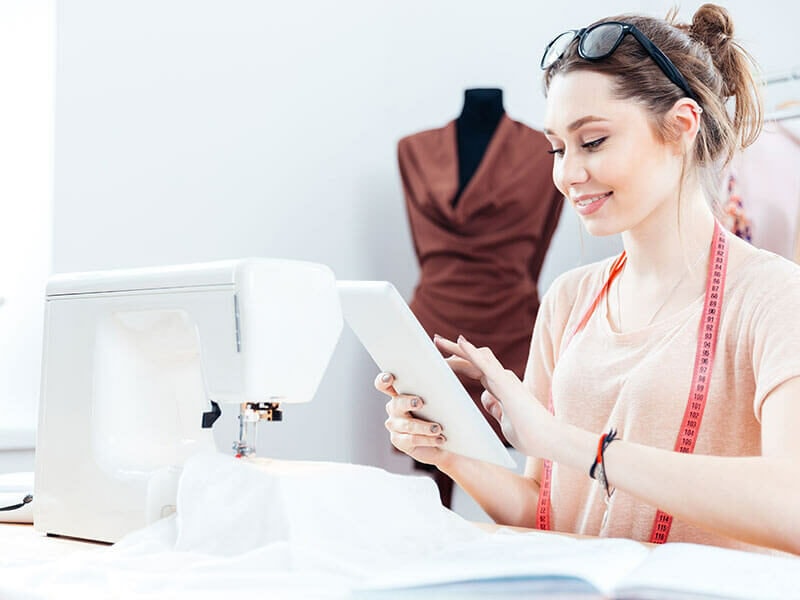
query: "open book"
524, 565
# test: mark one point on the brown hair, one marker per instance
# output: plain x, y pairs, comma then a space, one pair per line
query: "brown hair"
715, 66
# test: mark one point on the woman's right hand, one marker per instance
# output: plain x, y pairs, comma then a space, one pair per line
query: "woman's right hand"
421, 440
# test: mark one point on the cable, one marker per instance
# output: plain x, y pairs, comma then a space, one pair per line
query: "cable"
25, 501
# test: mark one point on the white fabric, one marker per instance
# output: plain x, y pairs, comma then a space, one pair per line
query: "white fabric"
317, 530
227, 507
304, 530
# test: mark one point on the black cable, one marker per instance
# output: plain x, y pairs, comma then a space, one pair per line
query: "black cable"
25, 501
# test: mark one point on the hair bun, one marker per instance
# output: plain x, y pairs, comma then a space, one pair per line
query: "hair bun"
713, 26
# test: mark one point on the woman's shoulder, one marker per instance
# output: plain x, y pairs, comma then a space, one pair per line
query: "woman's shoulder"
762, 290
761, 273
575, 284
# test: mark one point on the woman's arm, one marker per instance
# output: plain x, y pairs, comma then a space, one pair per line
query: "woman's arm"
752, 499
508, 498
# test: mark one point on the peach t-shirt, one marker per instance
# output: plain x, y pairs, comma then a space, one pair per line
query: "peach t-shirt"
638, 381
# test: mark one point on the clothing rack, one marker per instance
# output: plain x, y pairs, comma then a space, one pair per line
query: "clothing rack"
789, 75
792, 74
783, 115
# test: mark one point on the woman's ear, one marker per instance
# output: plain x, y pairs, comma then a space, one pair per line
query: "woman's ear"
686, 120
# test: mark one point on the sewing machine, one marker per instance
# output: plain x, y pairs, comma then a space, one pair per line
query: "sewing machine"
137, 363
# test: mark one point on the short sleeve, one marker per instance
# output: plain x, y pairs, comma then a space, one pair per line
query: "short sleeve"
775, 331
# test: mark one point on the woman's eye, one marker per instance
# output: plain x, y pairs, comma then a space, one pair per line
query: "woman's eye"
594, 143
558, 151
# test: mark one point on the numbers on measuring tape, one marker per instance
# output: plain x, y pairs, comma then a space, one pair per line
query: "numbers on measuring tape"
698, 392
706, 346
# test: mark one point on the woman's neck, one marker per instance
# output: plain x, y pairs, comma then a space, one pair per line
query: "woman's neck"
662, 245
666, 263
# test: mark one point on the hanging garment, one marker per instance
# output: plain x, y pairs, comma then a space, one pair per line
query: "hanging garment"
734, 214
768, 184
797, 241
480, 260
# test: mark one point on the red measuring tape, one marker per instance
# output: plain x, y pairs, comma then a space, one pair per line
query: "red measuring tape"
698, 393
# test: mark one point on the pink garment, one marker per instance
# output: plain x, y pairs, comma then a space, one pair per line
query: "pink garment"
768, 183
735, 218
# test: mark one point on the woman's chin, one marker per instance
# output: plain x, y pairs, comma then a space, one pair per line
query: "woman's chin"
600, 227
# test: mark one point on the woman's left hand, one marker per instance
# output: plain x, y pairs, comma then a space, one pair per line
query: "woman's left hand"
521, 416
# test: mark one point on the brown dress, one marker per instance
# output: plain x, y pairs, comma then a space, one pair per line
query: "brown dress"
480, 260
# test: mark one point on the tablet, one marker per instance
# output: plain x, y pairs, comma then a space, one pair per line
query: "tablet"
398, 344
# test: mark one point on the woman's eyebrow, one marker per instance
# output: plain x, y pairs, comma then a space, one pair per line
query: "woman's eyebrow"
577, 123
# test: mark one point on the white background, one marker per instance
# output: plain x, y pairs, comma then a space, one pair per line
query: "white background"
26, 146
195, 130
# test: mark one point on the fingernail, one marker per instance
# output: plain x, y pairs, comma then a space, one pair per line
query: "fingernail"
415, 402
460, 338
434, 428
436, 336
385, 378
440, 440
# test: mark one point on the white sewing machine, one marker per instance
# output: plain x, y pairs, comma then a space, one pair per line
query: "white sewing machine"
136, 363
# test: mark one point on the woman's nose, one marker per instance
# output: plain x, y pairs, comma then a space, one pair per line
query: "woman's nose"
569, 171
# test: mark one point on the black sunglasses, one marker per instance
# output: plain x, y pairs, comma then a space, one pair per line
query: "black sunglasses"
600, 41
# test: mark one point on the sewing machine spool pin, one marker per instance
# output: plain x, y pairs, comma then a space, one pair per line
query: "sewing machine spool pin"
250, 413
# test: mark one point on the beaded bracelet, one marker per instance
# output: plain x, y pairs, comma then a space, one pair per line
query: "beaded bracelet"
598, 470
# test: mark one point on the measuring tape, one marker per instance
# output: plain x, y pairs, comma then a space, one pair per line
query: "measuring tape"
698, 393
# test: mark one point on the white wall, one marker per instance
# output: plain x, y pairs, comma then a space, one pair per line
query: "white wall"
26, 105
193, 130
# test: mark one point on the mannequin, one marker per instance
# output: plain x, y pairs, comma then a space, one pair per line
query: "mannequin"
482, 209
475, 126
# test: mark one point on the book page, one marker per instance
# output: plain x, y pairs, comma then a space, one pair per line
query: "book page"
693, 570
506, 560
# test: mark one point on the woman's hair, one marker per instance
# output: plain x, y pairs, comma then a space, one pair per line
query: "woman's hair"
715, 66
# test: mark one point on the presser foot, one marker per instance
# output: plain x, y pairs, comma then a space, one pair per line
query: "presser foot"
250, 413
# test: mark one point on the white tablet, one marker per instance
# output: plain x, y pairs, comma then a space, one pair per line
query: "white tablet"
399, 345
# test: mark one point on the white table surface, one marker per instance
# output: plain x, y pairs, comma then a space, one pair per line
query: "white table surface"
20, 541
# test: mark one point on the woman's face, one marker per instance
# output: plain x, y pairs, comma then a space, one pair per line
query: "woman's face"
607, 160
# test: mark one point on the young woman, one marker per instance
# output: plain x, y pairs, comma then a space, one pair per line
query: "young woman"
661, 399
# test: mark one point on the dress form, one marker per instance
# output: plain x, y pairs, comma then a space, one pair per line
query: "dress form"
482, 209
475, 126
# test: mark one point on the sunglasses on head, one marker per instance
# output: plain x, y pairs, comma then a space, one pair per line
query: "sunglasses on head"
600, 41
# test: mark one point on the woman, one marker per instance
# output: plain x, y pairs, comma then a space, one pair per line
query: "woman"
672, 371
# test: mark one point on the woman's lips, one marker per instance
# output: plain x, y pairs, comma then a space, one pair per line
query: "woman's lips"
590, 203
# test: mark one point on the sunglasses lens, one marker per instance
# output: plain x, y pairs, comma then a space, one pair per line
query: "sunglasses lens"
600, 41
557, 48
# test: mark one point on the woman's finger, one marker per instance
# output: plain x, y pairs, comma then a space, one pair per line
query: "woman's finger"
384, 382
459, 360
483, 358
408, 442
413, 426
492, 405
448, 346
402, 404
463, 367
487, 399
